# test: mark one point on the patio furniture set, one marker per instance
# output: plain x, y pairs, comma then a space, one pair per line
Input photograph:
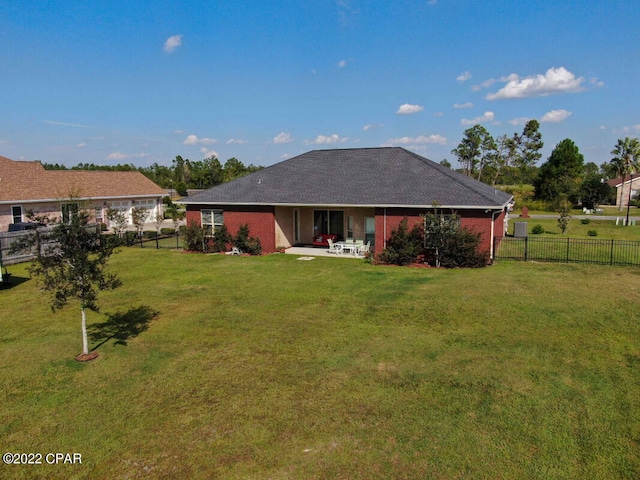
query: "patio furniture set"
354, 247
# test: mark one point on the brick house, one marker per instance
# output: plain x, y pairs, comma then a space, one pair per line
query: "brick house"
361, 193
28, 186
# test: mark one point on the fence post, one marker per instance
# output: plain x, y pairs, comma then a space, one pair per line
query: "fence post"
568, 245
612, 244
157, 244
526, 248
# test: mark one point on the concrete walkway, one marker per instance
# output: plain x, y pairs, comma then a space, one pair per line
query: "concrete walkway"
317, 252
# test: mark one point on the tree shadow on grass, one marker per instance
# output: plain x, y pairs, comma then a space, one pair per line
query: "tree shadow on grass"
121, 326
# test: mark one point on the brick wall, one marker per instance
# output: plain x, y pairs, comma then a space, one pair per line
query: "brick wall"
475, 221
261, 222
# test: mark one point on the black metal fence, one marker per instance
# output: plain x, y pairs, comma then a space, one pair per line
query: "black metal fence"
155, 240
568, 250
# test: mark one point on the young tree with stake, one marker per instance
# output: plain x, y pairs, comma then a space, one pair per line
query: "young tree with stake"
71, 265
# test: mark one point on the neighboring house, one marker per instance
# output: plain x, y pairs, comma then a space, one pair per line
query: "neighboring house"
622, 186
28, 186
361, 193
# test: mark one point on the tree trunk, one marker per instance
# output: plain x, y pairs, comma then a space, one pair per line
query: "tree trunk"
85, 343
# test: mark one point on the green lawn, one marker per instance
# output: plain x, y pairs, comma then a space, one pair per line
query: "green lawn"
273, 368
605, 228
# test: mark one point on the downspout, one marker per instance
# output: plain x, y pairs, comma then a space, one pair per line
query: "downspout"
384, 244
492, 243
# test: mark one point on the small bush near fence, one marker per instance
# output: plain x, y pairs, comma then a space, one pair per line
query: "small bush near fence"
592, 233
537, 230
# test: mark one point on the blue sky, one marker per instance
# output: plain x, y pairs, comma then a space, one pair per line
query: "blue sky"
140, 82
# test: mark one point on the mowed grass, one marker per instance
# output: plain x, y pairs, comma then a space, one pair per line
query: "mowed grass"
606, 229
274, 368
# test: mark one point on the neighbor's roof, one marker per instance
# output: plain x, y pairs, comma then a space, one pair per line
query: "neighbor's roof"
381, 177
616, 182
29, 181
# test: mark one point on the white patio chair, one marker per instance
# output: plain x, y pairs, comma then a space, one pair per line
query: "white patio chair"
363, 250
334, 247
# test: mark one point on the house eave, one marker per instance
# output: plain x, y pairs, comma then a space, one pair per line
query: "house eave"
81, 199
359, 205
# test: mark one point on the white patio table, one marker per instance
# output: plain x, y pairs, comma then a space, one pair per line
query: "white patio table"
348, 246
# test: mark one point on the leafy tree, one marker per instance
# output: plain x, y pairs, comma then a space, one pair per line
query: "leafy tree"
175, 215
476, 150
529, 145
445, 163
438, 226
593, 191
561, 173
71, 265
139, 216
564, 218
117, 220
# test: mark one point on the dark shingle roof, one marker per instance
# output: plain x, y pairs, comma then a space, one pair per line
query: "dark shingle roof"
381, 177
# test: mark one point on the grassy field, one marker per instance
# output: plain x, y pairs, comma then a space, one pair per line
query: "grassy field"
275, 368
605, 228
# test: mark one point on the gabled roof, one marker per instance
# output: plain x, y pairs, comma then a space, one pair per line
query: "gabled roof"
381, 177
29, 182
616, 182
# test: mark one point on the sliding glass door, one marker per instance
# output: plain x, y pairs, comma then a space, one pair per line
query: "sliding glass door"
328, 221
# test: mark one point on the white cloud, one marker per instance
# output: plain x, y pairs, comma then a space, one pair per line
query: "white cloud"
236, 141
327, 140
554, 81
371, 126
125, 156
208, 153
408, 109
519, 121
420, 140
65, 124
487, 117
172, 43
555, 116
463, 77
284, 156
463, 105
485, 84
342, 63
194, 140
81, 145
282, 138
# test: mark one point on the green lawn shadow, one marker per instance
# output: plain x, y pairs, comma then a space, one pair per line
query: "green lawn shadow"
121, 326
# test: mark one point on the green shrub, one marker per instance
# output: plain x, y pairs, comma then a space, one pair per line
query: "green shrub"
537, 230
167, 231
194, 238
245, 243
221, 239
585, 221
592, 233
460, 250
149, 234
404, 246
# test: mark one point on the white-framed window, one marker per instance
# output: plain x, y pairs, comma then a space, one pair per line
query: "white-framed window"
349, 226
212, 220
16, 213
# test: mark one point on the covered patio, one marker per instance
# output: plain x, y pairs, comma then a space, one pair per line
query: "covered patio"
317, 252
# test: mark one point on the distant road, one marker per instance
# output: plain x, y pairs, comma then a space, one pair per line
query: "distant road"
592, 217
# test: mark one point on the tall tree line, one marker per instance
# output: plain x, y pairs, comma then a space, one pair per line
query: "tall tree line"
183, 173
504, 160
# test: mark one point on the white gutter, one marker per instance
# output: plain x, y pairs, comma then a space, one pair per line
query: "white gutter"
81, 199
